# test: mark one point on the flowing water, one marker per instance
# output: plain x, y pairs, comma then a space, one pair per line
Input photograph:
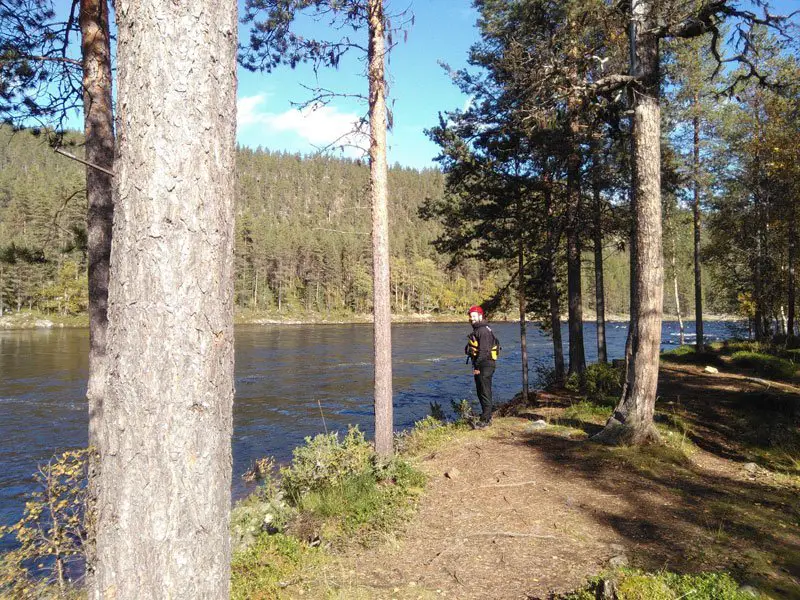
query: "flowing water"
292, 381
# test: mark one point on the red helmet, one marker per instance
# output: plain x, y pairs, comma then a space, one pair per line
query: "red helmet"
476, 309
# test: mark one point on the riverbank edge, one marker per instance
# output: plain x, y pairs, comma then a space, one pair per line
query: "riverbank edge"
26, 320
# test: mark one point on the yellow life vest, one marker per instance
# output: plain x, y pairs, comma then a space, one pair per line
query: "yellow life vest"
472, 347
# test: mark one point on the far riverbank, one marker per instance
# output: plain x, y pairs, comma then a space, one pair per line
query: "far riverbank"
26, 319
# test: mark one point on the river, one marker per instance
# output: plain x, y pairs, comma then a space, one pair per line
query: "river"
288, 379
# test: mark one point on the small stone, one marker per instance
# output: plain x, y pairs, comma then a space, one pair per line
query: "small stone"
710, 369
749, 590
750, 467
540, 424
619, 561
452, 473
607, 590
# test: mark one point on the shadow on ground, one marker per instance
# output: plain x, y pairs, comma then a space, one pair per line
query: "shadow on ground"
732, 505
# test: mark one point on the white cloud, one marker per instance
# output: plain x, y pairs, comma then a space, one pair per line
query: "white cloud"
319, 125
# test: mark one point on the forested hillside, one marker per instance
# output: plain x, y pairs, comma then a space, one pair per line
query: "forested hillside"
302, 243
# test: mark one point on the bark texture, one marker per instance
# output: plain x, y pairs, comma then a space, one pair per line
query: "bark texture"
554, 296
599, 285
98, 124
523, 325
379, 185
698, 276
164, 502
632, 421
577, 353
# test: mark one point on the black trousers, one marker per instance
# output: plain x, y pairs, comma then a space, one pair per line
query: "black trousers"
483, 385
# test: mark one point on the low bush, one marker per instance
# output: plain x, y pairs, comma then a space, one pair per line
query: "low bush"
636, 585
764, 364
324, 461
601, 383
688, 355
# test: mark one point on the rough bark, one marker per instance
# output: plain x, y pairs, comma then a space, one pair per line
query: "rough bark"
555, 301
577, 354
523, 325
698, 277
98, 124
599, 286
164, 503
790, 282
632, 421
378, 172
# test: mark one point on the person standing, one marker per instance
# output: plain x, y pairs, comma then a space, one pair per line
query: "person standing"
482, 347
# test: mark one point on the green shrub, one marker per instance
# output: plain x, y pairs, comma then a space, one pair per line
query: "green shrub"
265, 510
602, 383
764, 364
636, 585
324, 461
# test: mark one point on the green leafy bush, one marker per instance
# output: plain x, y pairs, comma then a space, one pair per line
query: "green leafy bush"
602, 383
636, 585
325, 461
764, 364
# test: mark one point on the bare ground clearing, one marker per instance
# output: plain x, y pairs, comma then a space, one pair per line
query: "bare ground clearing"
518, 512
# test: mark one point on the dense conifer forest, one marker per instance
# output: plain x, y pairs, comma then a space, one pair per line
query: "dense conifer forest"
302, 239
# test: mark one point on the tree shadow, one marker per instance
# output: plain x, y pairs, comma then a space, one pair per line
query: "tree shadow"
689, 515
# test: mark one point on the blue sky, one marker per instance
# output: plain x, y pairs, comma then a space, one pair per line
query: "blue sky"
443, 30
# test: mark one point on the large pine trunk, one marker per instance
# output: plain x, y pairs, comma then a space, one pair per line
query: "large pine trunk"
164, 503
98, 125
378, 171
632, 421
698, 279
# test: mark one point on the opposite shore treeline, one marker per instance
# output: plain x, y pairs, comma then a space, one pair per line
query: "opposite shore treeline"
302, 239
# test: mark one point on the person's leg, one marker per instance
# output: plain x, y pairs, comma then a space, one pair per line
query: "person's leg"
484, 386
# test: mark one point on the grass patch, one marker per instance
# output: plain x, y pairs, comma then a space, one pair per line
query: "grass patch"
765, 365
636, 585
427, 435
688, 355
270, 565
587, 411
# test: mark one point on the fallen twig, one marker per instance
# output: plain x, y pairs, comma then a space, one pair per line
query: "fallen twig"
505, 485
512, 534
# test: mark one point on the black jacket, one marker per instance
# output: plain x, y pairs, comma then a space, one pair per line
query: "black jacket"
483, 334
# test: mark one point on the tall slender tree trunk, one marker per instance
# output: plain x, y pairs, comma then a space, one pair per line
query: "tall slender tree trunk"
555, 301
632, 421
790, 280
577, 353
164, 503
378, 172
523, 325
98, 128
675, 286
698, 278
599, 286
